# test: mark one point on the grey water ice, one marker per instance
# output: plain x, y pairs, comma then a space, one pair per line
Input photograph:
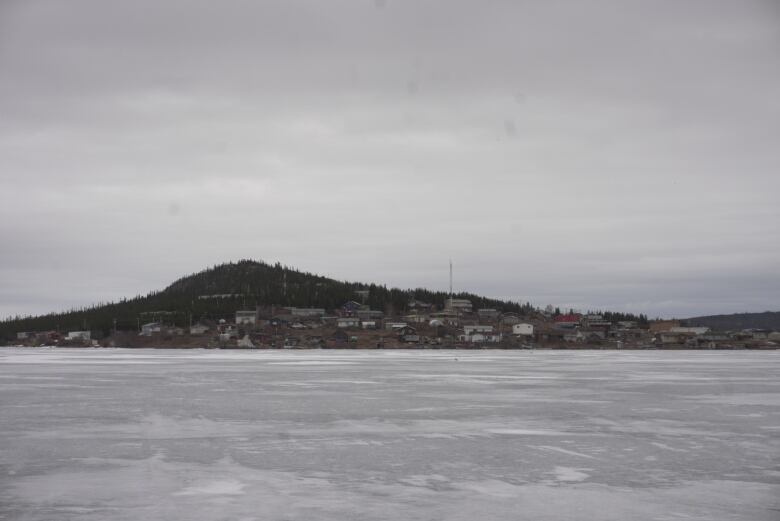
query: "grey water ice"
335, 435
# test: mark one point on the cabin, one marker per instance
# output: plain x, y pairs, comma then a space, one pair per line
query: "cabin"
476, 328
391, 326
458, 305
351, 307
79, 335
151, 328
523, 329
488, 314
510, 319
246, 317
305, 312
408, 335
347, 322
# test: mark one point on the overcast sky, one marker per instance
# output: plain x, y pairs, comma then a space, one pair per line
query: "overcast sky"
586, 154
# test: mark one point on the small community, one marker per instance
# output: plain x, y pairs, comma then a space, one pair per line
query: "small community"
422, 325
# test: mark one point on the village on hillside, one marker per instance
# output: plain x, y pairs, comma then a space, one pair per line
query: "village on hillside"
422, 325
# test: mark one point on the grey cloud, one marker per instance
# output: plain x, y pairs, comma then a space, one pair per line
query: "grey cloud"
602, 153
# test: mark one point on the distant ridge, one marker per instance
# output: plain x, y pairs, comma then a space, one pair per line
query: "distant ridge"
739, 321
219, 291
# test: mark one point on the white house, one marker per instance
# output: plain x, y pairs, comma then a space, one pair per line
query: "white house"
395, 325
368, 324
523, 329
488, 313
246, 317
480, 337
306, 312
79, 335
476, 328
245, 342
459, 304
345, 322
151, 328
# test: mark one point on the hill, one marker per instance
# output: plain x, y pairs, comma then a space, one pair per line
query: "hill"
219, 291
739, 321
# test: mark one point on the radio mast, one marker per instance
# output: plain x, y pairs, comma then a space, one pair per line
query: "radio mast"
450, 283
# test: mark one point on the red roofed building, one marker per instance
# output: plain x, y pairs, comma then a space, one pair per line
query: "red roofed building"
574, 317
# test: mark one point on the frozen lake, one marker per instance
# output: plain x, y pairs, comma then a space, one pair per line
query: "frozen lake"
338, 435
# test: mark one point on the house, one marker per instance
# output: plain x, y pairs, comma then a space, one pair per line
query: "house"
351, 307
416, 318
394, 325
694, 330
584, 336
346, 322
567, 321
368, 324
408, 334
228, 330
523, 329
479, 337
446, 317
369, 314
291, 342
47, 337
476, 328
458, 305
278, 321
79, 335
198, 329
659, 326
246, 317
305, 312
488, 314
510, 319
406, 330
151, 328
419, 305
596, 322
245, 342
670, 337
757, 334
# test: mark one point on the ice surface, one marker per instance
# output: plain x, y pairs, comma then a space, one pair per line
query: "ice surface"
122, 434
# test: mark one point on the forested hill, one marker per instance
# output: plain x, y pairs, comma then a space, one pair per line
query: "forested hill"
219, 291
739, 321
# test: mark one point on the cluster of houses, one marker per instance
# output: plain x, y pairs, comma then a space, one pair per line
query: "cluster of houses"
355, 324
458, 324
672, 333
55, 338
